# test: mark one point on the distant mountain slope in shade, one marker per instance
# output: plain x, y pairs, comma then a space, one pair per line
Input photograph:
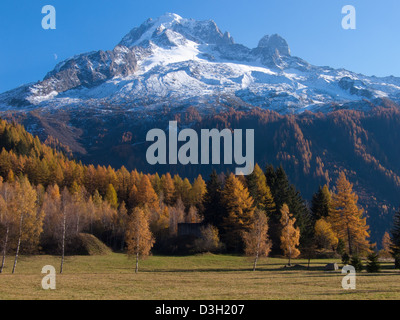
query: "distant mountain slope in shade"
312, 147
176, 62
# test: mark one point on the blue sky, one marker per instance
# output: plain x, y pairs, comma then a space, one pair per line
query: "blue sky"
311, 27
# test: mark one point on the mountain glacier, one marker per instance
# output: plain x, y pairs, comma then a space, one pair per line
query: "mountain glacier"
175, 62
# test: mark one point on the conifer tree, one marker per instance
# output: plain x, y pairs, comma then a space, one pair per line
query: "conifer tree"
146, 194
284, 192
30, 220
111, 196
120, 223
290, 236
197, 193
168, 189
347, 218
239, 205
356, 262
386, 245
373, 264
213, 209
324, 235
321, 203
260, 191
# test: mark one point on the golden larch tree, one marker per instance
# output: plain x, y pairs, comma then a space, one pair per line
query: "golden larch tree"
30, 219
324, 235
386, 245
146, 196
260, 191
168, 189
290, 236
347, 218
239, 206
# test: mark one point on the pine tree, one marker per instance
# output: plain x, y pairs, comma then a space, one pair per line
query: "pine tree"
284, 192
373, 264
345, 258
347, 219
356, 263
120, 223
139, 238
321, 203
256, 240
290, 236
213, 209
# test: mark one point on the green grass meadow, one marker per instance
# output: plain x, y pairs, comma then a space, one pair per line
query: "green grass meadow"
203, 277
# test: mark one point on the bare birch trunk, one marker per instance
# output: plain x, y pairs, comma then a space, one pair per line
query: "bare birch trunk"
5, 249
137, 254
257, 253
19, 243
63, 243
255, 262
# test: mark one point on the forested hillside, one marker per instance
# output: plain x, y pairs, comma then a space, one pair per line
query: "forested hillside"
47, 201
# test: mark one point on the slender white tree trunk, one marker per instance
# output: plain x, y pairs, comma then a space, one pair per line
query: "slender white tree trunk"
5, 249
63, 242
19, 243
137, 254
257, 252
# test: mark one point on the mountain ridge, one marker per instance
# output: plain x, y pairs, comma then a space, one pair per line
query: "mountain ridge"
176, 62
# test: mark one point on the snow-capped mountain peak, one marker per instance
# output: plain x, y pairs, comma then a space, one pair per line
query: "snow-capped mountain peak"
196, 31
176, 62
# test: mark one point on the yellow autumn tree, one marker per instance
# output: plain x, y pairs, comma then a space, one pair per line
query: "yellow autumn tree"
139, 238
239, 207
386, 245
30, 219
111, 196
8, 221
168, 189
290, 236
146, 196
256, 240
347, 218
197, 192
260, 191
324, 235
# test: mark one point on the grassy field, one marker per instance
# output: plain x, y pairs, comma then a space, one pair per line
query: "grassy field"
196, 277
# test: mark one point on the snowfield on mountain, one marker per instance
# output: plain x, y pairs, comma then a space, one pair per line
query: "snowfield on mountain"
176, 62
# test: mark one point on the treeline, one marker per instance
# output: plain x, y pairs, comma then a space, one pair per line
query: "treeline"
47, 200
